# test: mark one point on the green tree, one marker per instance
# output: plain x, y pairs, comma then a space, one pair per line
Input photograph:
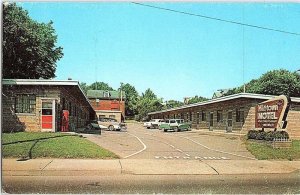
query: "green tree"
148, 102
29, 50
84, 87
131, 100
197, 99
172, 104
100, 86
275, 82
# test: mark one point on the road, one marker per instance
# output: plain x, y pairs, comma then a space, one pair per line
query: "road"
141, 143
170, 184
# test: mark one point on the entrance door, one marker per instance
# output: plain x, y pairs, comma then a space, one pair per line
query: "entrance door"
229, 121
211, 121
48, 115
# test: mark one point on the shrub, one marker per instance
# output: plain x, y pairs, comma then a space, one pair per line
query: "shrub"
268, 136
261, 135
252, 134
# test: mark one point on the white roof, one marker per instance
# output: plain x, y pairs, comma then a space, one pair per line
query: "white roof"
48, 82
226, 98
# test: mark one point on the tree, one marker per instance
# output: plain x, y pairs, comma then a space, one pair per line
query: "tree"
100, 86
132, 97
172, 104
196, 99
148, 102
84, 87
275, 82
29, 50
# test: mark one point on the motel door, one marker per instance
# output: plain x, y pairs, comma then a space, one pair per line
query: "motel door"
211, 121
48, 115
229, 121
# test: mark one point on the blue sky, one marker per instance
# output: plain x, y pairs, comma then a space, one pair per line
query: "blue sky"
175, 55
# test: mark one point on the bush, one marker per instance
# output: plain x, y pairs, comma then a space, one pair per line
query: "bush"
252, 134
268, 136
261, 135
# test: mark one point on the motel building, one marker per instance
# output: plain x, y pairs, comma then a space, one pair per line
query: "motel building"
44, 105
235, 113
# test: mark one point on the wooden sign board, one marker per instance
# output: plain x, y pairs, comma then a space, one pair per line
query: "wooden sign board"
271, 113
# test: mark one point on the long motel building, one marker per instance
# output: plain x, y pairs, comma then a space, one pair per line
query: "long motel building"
233, 113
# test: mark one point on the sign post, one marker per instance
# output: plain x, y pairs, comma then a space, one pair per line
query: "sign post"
272, 113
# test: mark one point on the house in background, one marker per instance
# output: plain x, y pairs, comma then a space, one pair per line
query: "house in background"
44, 105
220, 93
109, 104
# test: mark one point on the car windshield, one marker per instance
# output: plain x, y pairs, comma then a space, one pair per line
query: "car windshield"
179, 121
152, 120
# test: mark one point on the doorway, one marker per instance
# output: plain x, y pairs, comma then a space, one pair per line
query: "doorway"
211, 121
229, 121
48, 115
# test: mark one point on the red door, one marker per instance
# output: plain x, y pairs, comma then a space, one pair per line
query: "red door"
47, 115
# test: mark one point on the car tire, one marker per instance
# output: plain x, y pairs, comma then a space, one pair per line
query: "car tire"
111, 128
176, 129
165, 130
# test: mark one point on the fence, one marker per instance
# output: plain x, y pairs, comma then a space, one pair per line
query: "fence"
282, 143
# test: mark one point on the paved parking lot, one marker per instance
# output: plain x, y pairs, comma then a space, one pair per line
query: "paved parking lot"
141, 143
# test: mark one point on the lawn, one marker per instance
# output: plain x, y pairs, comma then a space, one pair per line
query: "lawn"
51, 145
264, 151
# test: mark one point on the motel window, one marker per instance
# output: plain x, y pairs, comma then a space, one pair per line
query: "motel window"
25, 103
181, 116
198, 117
106, 94
70, 108
63, 103
203, 116
239, 115
219, 116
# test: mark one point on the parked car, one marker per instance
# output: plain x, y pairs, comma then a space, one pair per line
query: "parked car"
91, 127
111, 124
153, 124
175, 125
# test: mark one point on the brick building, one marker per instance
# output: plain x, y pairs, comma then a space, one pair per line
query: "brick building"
108, 103
38, 105
230, 113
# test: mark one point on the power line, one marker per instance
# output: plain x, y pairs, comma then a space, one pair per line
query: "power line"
218, 19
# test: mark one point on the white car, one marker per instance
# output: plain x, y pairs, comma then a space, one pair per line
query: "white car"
111, 124
154, 123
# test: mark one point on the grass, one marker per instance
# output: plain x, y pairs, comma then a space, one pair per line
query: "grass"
58, 145
264, 151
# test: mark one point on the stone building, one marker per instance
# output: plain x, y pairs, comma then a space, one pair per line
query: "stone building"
230, 113
108, 104
38, 105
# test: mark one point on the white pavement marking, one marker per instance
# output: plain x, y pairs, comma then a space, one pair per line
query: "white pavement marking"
139, 150
217, 150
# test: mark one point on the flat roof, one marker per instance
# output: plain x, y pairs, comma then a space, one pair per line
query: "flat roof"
48, 82
225, 98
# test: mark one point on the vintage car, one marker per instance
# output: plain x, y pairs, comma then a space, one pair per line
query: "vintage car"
153, 124
111, 124
175, 125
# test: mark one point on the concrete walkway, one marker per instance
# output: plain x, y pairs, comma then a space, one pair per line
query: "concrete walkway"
69, 167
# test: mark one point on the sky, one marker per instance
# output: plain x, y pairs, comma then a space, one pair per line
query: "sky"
175, 55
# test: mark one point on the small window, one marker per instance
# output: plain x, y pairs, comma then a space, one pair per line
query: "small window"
172, 121
203, 116
219, 116
112, 116
106, 94
25, 103
70, 108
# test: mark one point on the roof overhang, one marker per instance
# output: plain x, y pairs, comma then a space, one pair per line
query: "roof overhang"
45, 82
226, 98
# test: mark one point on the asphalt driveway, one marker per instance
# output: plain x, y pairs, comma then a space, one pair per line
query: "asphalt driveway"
141, 143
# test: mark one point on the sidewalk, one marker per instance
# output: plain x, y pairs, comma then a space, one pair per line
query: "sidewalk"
76, 167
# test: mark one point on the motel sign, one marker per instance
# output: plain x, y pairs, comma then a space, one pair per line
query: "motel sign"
271, 113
